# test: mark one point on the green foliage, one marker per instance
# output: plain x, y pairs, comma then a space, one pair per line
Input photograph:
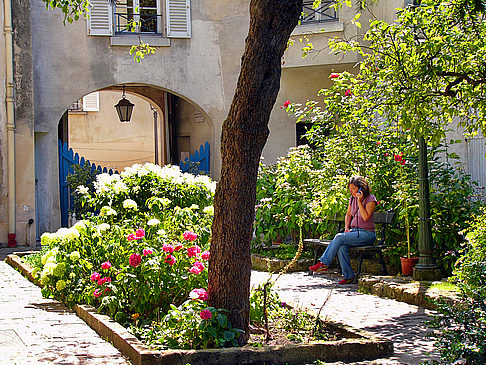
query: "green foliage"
296, 189
80, 177
186, 327
72, 9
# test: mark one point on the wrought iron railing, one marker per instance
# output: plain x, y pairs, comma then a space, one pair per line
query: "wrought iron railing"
325, 12
146, 23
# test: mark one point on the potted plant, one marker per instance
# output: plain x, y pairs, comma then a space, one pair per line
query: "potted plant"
407, 263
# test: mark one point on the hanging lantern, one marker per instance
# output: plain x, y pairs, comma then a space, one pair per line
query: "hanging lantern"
124, 108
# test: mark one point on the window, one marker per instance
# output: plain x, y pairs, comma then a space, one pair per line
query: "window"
143, 16
108, 18
476, 163
323, 13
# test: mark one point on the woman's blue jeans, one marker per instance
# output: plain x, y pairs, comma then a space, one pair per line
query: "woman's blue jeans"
340, 246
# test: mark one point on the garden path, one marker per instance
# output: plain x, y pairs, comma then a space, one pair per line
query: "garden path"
400, 322
35, 330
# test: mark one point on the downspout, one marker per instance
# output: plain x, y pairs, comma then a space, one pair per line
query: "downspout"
10, 122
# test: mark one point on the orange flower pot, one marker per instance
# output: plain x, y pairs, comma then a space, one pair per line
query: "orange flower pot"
408, 264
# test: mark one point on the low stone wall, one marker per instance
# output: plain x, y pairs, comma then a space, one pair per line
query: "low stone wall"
404, 290
262, 263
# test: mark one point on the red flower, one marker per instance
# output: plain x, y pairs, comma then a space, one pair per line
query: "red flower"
135, 259
189, 236
147, 251
378, 143
178, 247
386, 154
95, 276
106, 265
205, 314
402, 162
167, 248
97, 293
205, 255
398, 157
287, 104
200, 294
348, 92
139, 234
193, 251
334, 75
170, 260
106, 279
196, 268
131, 237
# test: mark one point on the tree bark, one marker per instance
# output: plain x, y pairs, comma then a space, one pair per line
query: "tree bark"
244, 134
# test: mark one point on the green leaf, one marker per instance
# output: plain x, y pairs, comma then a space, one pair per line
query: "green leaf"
222, 320
228, 335
212, 332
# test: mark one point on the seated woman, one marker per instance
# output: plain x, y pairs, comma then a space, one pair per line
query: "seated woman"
359, 229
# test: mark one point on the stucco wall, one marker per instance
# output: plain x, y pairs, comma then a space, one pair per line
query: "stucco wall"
3, 137
101, 138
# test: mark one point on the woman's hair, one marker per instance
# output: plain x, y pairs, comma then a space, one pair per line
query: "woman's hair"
360, 182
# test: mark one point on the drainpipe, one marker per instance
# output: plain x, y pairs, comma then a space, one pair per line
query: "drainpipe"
10, 122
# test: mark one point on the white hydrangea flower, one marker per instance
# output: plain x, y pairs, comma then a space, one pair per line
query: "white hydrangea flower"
209, 210
107, 211
46, 238
153, 222
120, 187
82, 190
129, 204
103, 227
194, 207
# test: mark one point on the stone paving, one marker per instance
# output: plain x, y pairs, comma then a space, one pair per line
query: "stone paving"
400, 322
34, 330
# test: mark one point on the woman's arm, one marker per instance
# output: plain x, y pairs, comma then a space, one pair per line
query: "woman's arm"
366, 212
347, 219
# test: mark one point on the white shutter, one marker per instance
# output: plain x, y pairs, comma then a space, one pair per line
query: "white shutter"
100, 18
178, 18
91, 102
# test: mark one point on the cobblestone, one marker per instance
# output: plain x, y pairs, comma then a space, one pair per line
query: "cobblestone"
402, 323
35, 330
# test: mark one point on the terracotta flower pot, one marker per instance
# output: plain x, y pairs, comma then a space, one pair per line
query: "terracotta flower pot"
408, 264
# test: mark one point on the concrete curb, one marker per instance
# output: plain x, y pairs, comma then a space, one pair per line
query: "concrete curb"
359, 345
403, 290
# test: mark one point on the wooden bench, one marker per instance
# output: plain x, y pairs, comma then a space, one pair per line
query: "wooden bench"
381, 219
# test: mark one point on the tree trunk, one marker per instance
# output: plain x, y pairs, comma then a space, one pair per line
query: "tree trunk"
244, 134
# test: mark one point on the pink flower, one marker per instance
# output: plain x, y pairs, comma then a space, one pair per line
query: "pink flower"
205, 314
106, 279
131, 237
348, 92
167, 248
135, 259
334, 75
196, 268
95, 276
402, 162
139, 233
378, 143
178, 247
386, 154
107, 290
171, 260
205, 255
106, 265
398, 157
97, 293
200, 294
193, 251
286, 104
189, 236
147, 251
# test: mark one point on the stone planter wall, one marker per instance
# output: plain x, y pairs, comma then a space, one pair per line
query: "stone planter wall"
262, 263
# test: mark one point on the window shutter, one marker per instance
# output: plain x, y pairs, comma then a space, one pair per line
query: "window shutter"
100, 20
91, 102
178, 18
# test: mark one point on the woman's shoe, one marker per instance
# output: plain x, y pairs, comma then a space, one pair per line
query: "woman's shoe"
346, 281
319, 267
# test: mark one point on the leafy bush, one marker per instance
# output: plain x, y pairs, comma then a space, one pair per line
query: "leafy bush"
461, 334
80, 177
142, 254
295, 190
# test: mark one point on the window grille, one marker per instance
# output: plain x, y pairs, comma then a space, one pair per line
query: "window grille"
325, 12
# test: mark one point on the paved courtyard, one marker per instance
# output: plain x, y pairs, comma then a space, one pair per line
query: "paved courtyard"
34, 330
400, 322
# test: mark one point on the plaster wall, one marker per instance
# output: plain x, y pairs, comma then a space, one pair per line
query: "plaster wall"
3, 136
102, 139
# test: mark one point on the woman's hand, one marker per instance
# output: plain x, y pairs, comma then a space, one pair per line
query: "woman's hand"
359, 195
346, 230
